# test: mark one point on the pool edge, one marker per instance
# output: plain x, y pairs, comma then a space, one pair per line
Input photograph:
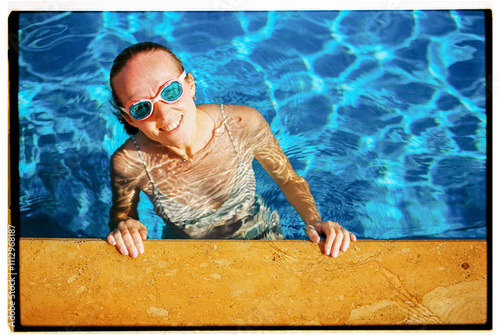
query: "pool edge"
86, 283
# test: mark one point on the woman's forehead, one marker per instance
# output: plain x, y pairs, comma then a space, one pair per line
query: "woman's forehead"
152, 67
157, 60
144, 73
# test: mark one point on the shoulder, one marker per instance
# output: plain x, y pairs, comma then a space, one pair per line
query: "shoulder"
250, 127
244, 112
238, 117
238, 112
126, 149
125, 161
245, 118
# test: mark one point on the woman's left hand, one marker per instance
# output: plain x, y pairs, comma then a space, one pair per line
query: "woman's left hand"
271, 157
337, 237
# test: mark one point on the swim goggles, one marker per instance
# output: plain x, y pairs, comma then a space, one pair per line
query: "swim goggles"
169, 92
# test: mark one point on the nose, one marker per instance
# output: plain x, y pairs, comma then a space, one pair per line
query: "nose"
161, 110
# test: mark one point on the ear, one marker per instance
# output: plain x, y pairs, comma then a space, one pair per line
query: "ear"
191, 86
128, 119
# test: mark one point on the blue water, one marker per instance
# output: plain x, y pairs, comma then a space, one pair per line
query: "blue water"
383, 112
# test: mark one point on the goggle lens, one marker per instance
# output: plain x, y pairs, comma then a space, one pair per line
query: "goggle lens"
140, 110
172, 92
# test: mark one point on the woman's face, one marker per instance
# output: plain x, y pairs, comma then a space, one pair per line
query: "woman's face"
170, 124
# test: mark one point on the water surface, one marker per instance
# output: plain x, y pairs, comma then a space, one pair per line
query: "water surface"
383, 112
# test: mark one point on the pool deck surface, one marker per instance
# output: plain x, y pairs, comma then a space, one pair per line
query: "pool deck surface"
79, 283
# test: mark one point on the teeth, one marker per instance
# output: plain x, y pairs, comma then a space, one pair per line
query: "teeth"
173, 125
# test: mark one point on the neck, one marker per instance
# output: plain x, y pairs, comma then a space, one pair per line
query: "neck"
199, 139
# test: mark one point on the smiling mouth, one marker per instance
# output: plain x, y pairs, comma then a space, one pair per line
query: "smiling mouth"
173, 125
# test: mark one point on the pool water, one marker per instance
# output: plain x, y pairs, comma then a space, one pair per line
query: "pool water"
383, 112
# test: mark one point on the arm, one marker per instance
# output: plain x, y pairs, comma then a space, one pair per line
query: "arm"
295, 188
127, 232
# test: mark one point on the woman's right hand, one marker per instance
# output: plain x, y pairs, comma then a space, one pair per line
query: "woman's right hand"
128, 236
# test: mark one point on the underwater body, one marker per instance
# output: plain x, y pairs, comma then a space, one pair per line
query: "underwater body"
382, 112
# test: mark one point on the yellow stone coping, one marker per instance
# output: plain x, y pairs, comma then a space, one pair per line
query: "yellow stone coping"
186, 283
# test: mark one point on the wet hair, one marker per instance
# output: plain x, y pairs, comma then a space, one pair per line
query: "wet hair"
121, 61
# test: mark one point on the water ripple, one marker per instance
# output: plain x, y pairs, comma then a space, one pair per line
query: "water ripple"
383, 112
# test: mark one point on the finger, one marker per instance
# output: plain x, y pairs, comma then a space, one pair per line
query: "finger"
312, 233
144, 232
136, 236
339, 237
330, 238
129, 242
111, 239
353, 237
120, 245
346, 240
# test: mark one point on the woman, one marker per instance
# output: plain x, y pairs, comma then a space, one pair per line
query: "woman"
194, 161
